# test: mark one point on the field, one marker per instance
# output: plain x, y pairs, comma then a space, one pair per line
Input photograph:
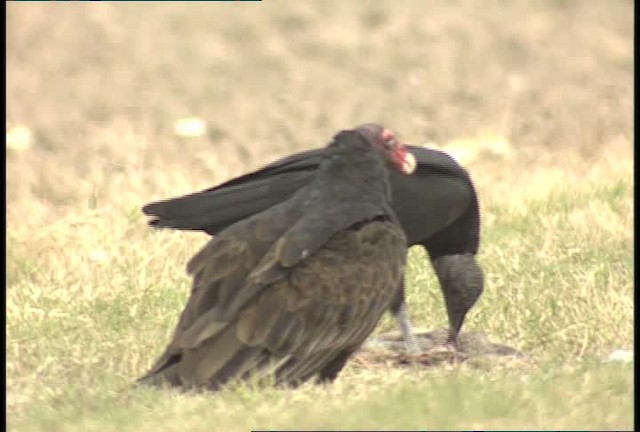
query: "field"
534, 98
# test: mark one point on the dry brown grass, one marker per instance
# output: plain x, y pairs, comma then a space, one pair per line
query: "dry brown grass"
101, 85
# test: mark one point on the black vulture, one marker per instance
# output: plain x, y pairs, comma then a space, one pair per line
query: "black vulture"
437, 207
291, 292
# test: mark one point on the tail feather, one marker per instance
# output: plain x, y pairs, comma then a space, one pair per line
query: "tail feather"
167, 377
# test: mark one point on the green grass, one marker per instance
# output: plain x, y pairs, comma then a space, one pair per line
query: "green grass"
545, 397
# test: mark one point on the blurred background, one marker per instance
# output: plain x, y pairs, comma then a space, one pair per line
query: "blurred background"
110, 105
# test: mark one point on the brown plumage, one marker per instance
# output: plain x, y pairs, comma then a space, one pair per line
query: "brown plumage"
291, 292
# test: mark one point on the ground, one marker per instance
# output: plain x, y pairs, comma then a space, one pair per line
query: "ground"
534, 98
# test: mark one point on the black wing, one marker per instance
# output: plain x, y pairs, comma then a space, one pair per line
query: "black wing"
428, 201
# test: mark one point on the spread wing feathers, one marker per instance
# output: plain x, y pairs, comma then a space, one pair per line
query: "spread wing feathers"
216, 209
439, 191
290, 325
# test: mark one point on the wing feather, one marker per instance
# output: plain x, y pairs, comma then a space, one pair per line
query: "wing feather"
294, 322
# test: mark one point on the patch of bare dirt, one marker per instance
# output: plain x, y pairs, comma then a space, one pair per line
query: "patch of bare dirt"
474, 349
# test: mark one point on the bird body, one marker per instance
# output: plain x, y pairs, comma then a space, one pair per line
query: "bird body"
291, 292
436, 206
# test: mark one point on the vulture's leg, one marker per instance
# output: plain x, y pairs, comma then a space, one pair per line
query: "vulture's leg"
461, 282
398, 308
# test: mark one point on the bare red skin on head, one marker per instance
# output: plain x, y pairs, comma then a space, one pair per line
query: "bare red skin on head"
387, 135
386, 142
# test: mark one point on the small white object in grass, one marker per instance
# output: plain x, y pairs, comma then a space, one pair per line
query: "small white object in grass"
19, 137
516, 82
98, 255
620, 355
190, 127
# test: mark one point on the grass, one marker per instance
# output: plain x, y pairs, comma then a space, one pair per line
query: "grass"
92, 294
81, 326
553, 398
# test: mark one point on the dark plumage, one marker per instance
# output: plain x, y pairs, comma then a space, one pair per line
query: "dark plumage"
291, 292
436, 206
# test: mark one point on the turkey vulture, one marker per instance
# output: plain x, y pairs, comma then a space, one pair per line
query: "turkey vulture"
291, 292
437, 208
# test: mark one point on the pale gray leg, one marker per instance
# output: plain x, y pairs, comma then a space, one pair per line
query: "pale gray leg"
410, 340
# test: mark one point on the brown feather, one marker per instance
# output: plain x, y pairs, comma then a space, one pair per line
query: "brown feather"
311, 314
